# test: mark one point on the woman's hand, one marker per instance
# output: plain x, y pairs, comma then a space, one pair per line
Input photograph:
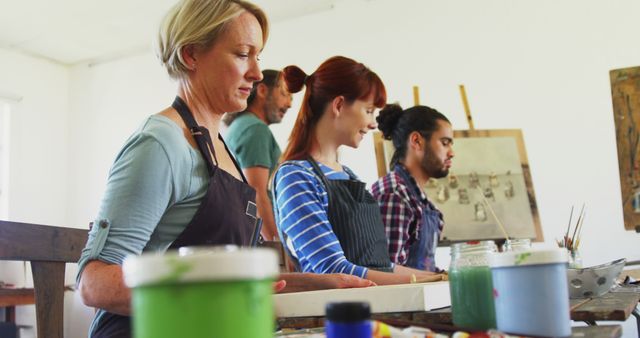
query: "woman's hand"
297, 282
341, 281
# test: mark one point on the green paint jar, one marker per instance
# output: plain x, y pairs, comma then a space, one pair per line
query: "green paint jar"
471, 286
211, 292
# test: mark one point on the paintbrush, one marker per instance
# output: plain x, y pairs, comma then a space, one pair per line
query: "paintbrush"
569, 224
566, 236
500, 225
575, 231
579, 225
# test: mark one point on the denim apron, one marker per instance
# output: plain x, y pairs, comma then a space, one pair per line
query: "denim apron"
424, 237
355, 219
226, 215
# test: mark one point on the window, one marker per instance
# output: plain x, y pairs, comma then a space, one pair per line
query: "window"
4, 160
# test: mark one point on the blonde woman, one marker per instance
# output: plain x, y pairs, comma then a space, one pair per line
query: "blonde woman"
174, 183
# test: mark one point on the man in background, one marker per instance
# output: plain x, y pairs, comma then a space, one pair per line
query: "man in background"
423, 141
252, 142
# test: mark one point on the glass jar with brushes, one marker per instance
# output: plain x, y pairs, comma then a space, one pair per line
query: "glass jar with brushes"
571, 239
471, 286
575, 260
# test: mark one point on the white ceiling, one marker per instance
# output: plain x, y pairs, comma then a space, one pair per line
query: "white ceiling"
74, 31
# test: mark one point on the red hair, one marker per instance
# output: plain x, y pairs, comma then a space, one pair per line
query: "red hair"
337, 76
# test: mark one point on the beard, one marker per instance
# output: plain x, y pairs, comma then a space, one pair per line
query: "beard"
433, 166
272, 111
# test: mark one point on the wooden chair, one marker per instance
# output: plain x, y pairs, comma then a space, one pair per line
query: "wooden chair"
285, 264
48, 249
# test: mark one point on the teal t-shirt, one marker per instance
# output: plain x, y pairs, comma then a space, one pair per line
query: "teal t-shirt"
252, 143
155, 186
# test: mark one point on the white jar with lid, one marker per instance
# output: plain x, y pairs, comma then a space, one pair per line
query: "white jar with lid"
531, 292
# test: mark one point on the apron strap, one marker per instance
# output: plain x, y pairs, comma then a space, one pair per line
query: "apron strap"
413, 233
318, 171
233, 158
200, 134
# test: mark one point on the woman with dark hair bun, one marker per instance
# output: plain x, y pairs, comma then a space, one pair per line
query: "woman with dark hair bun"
423, 140
328, 220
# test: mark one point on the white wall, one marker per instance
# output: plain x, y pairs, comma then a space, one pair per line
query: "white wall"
541, 66
38, 139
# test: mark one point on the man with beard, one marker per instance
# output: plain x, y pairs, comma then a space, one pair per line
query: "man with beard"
423, 139
253, 144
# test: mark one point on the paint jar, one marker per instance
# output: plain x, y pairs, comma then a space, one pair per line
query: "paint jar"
208, 292
517, 244
348, 320
531, 293
470, 285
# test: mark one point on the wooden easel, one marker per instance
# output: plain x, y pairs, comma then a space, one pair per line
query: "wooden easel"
463, 96
465, 103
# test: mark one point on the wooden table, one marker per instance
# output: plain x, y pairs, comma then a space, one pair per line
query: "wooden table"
607, 331
10, 298
416, 319
613, 306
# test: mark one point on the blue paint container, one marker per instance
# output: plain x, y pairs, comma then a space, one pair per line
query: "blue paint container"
348, 320
531, 293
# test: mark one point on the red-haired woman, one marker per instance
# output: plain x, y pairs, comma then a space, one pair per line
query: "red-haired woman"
325, 215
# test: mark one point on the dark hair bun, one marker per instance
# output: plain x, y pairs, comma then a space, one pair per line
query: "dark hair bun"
388, 119
294, 77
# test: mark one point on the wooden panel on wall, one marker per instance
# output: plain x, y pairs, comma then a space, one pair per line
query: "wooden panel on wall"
625, 93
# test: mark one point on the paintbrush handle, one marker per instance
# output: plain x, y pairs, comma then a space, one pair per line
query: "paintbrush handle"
504, 231
573, 238
569, 225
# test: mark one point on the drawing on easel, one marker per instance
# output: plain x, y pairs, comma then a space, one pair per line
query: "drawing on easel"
625, 93
489, 165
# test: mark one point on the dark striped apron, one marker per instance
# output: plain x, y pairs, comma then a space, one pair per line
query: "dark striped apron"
355, 218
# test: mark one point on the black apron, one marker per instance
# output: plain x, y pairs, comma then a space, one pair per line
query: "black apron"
423, 239
226, 215
355, 218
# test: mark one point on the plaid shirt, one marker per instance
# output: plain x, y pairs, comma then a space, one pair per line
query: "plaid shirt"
401, 211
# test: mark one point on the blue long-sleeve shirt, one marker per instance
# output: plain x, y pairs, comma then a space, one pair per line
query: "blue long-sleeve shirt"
301, 208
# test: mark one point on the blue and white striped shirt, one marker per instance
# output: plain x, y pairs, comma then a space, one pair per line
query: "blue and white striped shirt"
301, 207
